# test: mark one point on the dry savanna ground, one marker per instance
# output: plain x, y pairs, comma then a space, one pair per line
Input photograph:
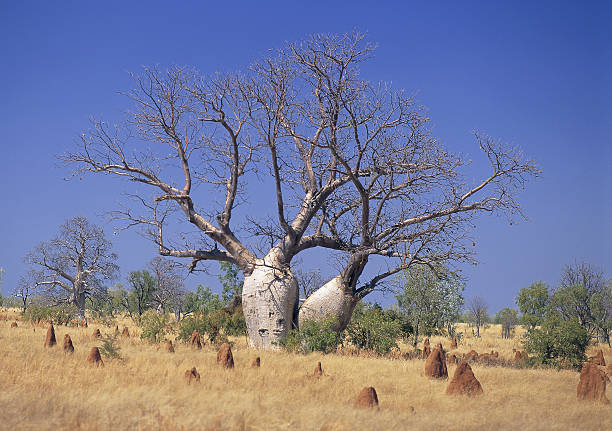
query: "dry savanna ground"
42, 388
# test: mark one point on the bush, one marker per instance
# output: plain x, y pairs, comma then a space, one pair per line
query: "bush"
197, 322
109, 349
314, 336
60, 315
232, 324
217, 325
154, 326
559, 343
373, 330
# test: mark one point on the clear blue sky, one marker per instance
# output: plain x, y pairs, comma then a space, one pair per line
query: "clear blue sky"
536, 74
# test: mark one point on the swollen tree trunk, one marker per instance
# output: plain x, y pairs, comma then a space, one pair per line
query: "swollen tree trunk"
269, 300
338, 296
334, 298
78, 300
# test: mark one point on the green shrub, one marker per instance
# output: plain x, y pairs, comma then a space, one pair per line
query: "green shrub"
154, 326
314, 336
231, 323
197, 322
109, 349
60, 315
215, 325
373, 330
559, 343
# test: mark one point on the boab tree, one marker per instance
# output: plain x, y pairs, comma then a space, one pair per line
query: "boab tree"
415, 209
74, 264
340, 152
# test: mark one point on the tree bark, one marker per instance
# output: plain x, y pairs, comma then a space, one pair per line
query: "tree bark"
334, 298
269, 299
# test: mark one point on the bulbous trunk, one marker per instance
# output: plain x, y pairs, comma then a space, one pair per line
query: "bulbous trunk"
78, 299
334, 298
269, 299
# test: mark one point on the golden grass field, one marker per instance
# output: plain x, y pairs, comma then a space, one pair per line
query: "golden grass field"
43, 389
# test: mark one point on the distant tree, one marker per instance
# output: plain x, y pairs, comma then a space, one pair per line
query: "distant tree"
308, 282
532, 302
601, 310
25, 288
508, 319
169, 284
429, 300
74, 264
582, 285
142, 287
1, 277
480, 314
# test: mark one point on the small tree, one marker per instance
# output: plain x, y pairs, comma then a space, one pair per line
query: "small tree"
532, 302
508, 318
480, 313
24, 289
601, 309
140, 298
74, 264
1, 277
558, 342
580, 282
429, 301
169, 285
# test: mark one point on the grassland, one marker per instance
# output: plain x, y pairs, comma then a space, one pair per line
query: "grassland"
43, 389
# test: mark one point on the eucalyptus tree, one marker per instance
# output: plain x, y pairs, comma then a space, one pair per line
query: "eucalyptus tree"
74, 264
351, 167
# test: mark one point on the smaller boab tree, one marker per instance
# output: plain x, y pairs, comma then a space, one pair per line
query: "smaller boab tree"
74, 264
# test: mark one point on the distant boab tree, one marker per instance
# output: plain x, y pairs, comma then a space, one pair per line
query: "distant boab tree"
350, 164
74, 264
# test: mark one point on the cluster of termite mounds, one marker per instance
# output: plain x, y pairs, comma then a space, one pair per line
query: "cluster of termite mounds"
463, 382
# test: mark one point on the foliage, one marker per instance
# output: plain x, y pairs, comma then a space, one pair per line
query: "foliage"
109, 348
202, 301
557, 342
154, 326
140, 297
533, 302
428, 301
60, 315
372, 330
230, 281
314, 336
601, 309
232, 323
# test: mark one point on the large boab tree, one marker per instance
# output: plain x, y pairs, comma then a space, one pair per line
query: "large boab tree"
302, 117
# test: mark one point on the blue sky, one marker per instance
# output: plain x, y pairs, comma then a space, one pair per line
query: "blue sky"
535, 74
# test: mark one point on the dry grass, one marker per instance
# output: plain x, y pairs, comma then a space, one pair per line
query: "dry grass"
45, 389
